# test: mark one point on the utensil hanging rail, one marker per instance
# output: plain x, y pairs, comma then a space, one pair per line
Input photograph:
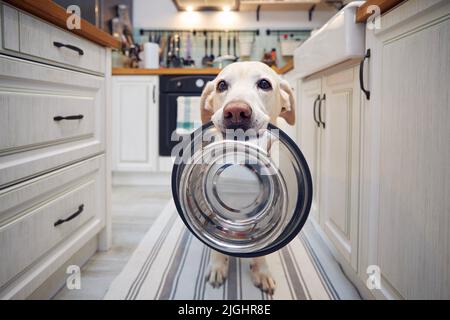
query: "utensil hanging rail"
287, 31
200, 31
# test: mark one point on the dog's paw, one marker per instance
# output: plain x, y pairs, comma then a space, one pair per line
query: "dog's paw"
262, 278
217, 273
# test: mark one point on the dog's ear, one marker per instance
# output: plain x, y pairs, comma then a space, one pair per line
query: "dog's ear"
206, 108
287, 102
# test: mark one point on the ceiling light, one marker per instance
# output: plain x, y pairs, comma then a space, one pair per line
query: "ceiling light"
226, 8
189, 8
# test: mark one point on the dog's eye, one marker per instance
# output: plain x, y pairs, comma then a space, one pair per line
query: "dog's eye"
264, 85
222, 86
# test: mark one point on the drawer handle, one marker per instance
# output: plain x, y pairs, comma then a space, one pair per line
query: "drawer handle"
73, 216
320, 110
75, 117
361, 75
68, 46
315, 112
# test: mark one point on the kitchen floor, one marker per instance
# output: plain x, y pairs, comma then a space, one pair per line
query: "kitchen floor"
134, 209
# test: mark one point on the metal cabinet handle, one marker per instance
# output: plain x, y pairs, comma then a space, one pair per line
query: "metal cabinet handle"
72, 216
361, 75
320, 110
314, 111
74, 117
68, 46
154, 94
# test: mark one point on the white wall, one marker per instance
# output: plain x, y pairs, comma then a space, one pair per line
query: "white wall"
163, 14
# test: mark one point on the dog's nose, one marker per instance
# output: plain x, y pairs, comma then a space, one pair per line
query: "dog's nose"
237, 114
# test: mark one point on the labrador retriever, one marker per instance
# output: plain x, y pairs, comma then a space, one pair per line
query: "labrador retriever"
246, 95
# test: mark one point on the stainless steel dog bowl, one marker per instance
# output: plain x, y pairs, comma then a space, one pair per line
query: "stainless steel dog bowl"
241, 194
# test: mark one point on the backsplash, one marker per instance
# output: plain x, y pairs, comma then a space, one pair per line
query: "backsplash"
259, 43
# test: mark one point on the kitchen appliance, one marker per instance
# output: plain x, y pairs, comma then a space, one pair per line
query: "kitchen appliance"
223, 61
245, 46
171, 88
151, 55
243, 195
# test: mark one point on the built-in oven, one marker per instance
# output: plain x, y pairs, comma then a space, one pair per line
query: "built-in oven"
179, 93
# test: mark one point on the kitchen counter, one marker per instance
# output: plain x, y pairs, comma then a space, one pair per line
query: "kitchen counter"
363, 14
184, 71
57, 15
163, 71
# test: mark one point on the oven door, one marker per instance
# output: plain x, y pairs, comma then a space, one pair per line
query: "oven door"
172, 124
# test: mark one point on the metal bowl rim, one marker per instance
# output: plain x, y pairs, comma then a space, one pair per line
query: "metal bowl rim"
306, 203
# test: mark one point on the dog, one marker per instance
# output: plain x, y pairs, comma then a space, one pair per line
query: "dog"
245, 95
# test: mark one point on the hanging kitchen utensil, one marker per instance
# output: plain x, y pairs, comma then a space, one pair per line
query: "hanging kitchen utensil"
220, 45
244, 197
211, 56
188, 58
234, 47
169, 50
206, 57
163, 47
176, 60
228, 44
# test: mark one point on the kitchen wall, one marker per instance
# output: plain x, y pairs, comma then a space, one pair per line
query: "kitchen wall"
162, 14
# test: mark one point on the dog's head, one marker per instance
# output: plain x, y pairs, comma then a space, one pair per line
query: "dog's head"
247, 95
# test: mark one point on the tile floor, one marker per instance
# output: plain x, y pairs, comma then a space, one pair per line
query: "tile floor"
134, 209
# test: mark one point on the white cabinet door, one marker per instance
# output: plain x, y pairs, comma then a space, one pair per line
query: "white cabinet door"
339, 112
406, 203
310, 135
135, 126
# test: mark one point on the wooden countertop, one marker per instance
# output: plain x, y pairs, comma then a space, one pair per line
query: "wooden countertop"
184, 71
57, 15
385, 5
163, 71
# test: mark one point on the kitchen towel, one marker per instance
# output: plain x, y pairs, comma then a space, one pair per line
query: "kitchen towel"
170, 263
188, 114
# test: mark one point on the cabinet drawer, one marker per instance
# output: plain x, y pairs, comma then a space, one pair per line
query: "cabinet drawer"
32, 95
43, 40
41, 213
31, 36
10, 28
36, 118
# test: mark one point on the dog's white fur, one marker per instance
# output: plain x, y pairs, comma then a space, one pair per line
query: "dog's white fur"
266, 106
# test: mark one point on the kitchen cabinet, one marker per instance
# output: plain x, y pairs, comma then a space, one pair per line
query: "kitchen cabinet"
405, 204
329, 138
310, 134
54, 153
135, 123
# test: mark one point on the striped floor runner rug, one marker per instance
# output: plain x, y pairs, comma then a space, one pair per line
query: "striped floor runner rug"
170, 263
